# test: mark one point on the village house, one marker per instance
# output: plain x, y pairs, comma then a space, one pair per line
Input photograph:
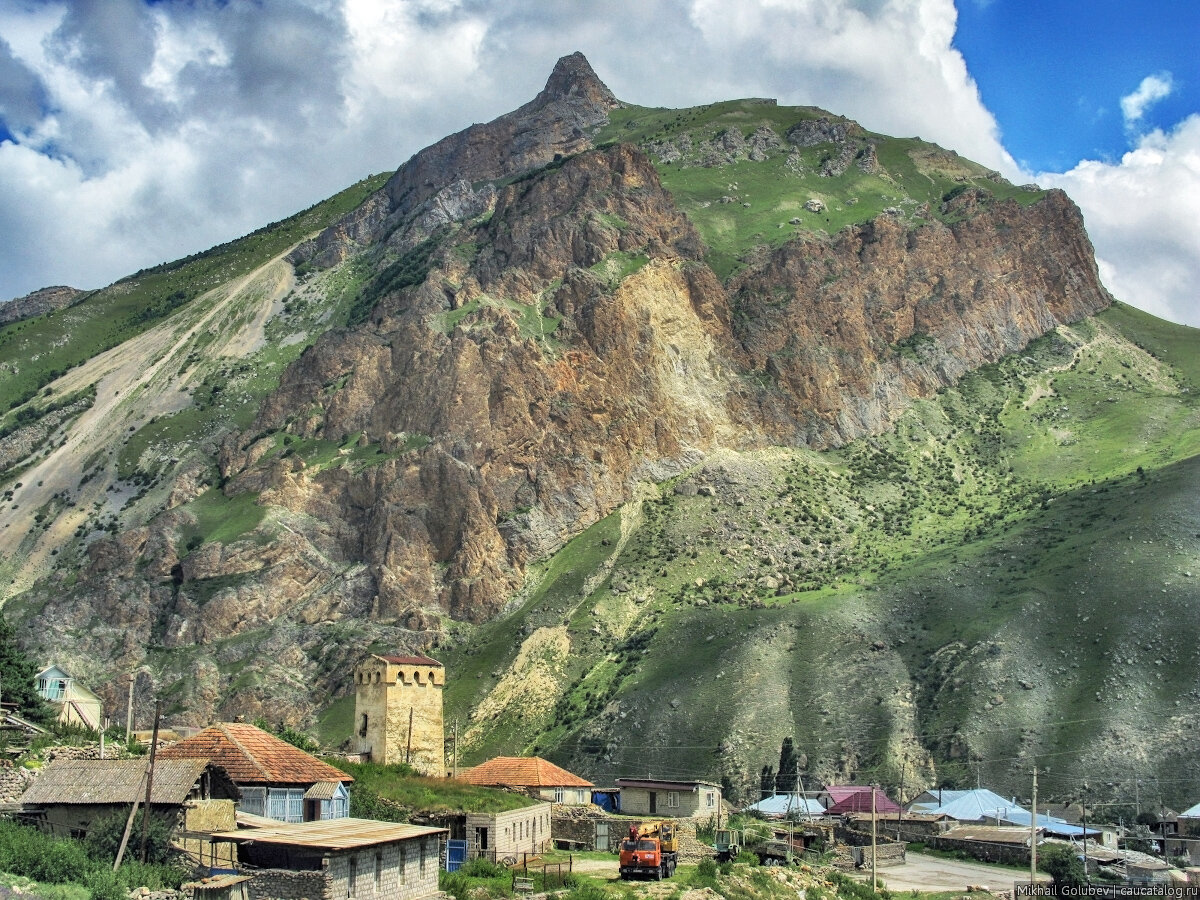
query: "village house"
675, 799
349, 858
787, 806
74, 703
192, 796
276, 780
507, 835
839, 800
534, 776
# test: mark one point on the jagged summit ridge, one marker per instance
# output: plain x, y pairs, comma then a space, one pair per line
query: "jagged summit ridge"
426, 191
574, 77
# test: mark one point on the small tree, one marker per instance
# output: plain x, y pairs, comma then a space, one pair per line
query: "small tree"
17, 677
788, 767
1061, 864
104, 838
766, 781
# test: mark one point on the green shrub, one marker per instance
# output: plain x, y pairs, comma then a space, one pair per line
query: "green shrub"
104, 885
748, 858
27, 852
104, 839
483, 868
707, 869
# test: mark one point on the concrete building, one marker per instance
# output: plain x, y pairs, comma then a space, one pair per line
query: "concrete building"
74, 703
506, 835
347, 858
398, 712
671, 799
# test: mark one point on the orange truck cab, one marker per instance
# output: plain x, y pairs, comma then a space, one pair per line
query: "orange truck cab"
650, 851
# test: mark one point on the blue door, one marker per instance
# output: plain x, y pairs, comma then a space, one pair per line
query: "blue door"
456, 855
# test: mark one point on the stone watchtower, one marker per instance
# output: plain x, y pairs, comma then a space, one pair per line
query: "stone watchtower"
398, 712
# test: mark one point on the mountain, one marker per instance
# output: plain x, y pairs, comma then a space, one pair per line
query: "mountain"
707, 427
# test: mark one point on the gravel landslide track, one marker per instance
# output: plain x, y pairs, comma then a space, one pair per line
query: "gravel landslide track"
141, 378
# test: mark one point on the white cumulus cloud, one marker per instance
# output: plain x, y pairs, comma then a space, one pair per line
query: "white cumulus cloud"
1141, 214
1152, 89
144, 132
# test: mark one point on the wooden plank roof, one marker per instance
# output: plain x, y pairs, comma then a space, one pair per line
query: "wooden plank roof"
522, 771
252, 756
332, 834
102, 781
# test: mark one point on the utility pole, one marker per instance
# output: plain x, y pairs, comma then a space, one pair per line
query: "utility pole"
1137, 796
456, 746
408, 749
874, 881
129, 708
1033, 834
150, 777
900, 797
1083, 803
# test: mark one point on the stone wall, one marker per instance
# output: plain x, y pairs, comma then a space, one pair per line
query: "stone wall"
401, 871
13, 781
1008, 854
283, 884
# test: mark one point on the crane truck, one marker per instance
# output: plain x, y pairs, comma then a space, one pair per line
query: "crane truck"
651, 850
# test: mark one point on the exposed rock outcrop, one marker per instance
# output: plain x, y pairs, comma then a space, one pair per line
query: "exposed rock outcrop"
38, 303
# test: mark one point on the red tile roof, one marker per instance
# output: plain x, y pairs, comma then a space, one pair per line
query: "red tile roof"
411, 661
522, 771
251, 756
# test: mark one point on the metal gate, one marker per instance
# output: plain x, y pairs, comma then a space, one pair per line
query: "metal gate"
456, 855
602, 836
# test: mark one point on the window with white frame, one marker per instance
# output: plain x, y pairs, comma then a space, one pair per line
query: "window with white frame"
254, 801
559, 794
285, 804
672, 798
710, 798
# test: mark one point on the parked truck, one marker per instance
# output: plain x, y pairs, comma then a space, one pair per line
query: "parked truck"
650, 851
772, 847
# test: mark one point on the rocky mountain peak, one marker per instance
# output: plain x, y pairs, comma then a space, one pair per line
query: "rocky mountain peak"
574, 78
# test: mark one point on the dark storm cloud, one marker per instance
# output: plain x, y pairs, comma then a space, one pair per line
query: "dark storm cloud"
22, 95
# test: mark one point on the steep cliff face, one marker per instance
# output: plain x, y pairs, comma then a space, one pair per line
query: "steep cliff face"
534, 328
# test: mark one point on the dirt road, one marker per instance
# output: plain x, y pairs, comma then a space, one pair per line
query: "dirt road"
930, 873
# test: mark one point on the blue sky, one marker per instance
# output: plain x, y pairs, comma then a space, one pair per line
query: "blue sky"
134, 132
1053, 72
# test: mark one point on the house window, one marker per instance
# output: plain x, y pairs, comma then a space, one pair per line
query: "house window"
52, 688
254, 801
672, 798
559, 795
422, 859
285, 804
378, 871
352, 877
710, 799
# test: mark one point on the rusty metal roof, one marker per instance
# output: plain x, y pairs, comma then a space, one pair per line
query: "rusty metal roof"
331, 834
99, 781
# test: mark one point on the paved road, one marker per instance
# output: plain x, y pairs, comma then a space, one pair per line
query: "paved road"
934, 873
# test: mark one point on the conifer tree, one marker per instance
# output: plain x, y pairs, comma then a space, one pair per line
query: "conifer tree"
17, 676
787, 767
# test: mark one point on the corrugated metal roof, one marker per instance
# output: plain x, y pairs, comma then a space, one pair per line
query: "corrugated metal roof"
93, 781
1049, 824
332, 834
974, 805
522, 771
860, 801
251, 756
322, 790
990, 833
787, 804
1191, 813
656, 784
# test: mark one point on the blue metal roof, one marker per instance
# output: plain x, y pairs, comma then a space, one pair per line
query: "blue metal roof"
787, 804
975, 806
1049, 824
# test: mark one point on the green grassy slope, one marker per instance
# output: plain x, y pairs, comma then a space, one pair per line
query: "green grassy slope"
36, 351
745, 203
1010, 572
